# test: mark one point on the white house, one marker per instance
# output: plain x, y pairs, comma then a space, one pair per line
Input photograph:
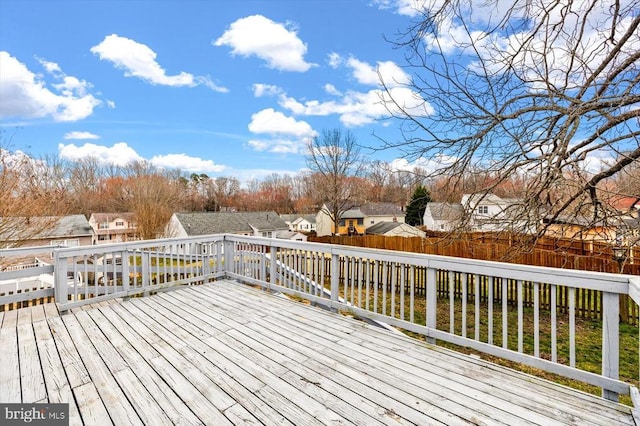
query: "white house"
113, 227
395, 229
490, 213
300, 223
442, 217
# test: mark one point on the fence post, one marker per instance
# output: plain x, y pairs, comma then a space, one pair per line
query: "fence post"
431, 289
610, 340
335, 279
60, 284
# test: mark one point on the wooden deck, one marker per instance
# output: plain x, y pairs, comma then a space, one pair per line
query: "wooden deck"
225, 353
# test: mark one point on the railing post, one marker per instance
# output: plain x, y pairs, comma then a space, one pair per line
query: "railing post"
432, 298
335, 279
146, 268
61, 287
610, 340
272, 267
125, 271
228, 256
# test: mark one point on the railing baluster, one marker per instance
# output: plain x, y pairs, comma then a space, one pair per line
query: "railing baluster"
554, 325
476, 291
491, 282
520, 316
452, 302
505, 314
393, 289
465, 295
536, 319
572, 327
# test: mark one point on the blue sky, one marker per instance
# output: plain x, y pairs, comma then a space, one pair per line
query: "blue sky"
225, 87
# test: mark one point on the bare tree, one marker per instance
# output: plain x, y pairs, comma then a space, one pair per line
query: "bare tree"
541, 93
28, 201
152, 196
335, 160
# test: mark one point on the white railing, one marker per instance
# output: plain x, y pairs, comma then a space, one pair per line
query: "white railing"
94, 273
520, 313
22, 283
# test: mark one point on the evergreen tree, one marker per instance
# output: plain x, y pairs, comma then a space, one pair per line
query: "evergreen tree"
417, 205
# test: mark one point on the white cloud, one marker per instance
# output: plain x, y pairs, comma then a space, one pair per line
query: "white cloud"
260, 90
275, 43
278, 145
428, 164
139, 60
26, 95
286, 135
331, 89
334, 59
276, 123
405, 7
120, 154
390, 73
80, 135
186, 163
360, 108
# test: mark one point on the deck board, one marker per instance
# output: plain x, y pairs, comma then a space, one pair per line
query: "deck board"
225, 353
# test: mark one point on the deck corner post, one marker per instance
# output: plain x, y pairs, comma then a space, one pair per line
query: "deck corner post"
610, 341
61, 286
335, 280
432, 298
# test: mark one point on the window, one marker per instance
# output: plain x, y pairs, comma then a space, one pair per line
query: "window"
103, 225
102, 237
483, 209
372, 221
342, 222
267, 234
360, 221
120, 224
441, 226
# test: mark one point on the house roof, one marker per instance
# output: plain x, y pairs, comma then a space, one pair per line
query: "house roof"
110, 217
371, 209
473, 200
381, 228
52, 227
445, 211
381, 209
297, 218
203, 223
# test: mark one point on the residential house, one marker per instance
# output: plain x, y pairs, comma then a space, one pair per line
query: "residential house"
444, 217
300, 223
257, 224
577, 228
490, 213
395, 229
356, 219
65, 231
113, 227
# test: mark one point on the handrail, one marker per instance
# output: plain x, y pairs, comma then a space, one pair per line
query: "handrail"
442, 298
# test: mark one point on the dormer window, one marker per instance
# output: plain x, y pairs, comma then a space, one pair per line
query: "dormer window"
483, 209
103, 225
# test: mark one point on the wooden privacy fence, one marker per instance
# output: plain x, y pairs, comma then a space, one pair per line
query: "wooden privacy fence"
588, 302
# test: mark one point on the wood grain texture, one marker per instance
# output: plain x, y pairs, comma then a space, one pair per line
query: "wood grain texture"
224, 353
